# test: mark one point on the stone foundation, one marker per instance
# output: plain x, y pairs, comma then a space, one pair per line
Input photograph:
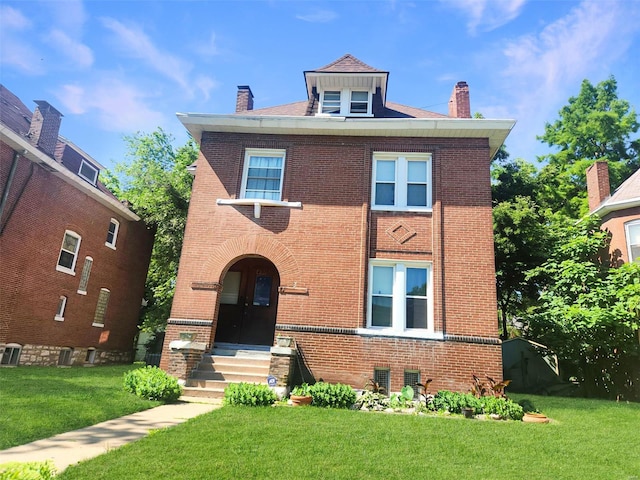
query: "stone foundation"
49, 355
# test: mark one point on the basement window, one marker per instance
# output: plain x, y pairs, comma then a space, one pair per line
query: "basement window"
11, 354
65, 357
382, 376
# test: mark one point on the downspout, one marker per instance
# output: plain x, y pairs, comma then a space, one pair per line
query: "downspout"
7, 186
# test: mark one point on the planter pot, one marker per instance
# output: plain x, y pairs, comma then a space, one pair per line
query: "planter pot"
535, 418
301, 400
467, 412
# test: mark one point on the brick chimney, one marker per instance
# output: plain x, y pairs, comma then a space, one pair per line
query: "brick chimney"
244, 100
459, 106
45, 126
598, 186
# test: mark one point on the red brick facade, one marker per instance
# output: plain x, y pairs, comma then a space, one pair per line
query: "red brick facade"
41, 205
323, 249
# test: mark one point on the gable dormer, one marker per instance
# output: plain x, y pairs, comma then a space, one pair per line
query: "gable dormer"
347, 87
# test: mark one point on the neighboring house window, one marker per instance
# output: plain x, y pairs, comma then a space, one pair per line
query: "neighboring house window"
633, 240
101, 308
382, 377
398, 296
66, 356
112, 233
263, 174
346, 102
69, 252
84, 277
62, 305
88, 172
401, 182
11, 354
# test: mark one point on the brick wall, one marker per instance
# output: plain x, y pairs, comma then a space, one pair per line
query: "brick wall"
39, 210
324, 247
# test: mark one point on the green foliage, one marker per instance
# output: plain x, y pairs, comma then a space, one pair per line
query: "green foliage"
27, 471
454, 402
371, 401
303, 390
332, 395
589, 312
249, 394
152, 383
594, 125
157, 184
527, 406
504, 407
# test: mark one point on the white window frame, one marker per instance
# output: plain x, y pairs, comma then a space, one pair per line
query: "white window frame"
65, 357
94, 178
262, 152
401, 181
84, 276
112, 244
62, 268
101, 311
345, 102
62, 305
398, 322
90, 357
635, 224
13, 358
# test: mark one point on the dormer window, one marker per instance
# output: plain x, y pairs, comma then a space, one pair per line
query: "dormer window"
88, 172
345, 102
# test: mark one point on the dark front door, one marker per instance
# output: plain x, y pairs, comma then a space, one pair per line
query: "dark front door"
249, 303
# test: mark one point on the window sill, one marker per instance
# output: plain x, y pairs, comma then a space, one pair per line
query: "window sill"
388, 332
101, 325
107, 244
58, 319
82, 292
257, 203
65, 270
391, 208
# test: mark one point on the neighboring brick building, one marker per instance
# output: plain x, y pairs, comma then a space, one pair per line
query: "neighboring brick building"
620, 212
73, 258
360, 227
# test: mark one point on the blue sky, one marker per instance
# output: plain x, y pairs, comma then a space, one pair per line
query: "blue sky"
117, 67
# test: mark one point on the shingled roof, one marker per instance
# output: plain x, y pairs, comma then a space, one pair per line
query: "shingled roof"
629, 190
348, 64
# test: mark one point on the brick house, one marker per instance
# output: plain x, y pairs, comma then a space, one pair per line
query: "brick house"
620, 211
358, 227
73, 258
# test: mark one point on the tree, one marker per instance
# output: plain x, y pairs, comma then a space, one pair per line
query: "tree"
589, 310
595, 125
157, 184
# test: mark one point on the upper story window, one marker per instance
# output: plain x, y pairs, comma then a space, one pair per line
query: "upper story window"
69, 252
346, 102
112, 233
632, 230
88, 172
84, 277
62, 305
101, 308
263, 174
401, 182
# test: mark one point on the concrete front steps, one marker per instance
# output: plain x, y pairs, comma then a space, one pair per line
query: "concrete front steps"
228, 363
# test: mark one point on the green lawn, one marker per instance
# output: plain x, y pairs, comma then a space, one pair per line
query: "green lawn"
588, 439
38, 402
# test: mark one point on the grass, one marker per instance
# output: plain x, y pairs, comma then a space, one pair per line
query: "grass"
38, 402
588, 439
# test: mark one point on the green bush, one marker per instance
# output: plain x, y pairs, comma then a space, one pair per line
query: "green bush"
250, 394
454, 402
501, 406
372, 401
332, 395
152, 383
27, 471
301, 390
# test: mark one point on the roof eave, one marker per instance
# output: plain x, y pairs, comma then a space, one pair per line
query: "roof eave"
27, 150
496, 130
606, 208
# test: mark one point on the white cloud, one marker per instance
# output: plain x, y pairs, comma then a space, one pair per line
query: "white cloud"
15, 50
208, 48
80, 54
136, 44
319, 16
13, 19
119, 107
487, 15
205, 84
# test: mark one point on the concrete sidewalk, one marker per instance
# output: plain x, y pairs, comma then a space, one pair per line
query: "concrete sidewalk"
72, 447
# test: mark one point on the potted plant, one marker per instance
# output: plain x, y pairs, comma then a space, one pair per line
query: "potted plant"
301, 395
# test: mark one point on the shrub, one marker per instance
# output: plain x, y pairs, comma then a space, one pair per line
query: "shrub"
152, 383
371, 401
249, 394
503, 407
303, 390
454, 402
528, 406
27, 471
332, 395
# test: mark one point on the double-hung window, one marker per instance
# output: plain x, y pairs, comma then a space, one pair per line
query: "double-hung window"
401, 182
399, 298
112, 233
62, 305
69, 252
346, 102
263, 174
632, 231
